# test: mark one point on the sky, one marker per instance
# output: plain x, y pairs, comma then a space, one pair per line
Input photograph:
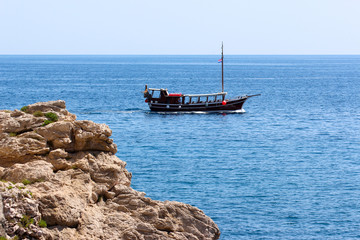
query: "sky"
179, 27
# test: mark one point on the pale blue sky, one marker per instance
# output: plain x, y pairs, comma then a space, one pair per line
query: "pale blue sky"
179, 27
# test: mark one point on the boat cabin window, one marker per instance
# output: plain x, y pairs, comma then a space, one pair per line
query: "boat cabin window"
212, 98
202, 99
155, 94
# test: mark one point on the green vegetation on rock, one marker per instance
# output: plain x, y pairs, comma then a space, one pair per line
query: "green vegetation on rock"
38, 114
24, 108
26, 182
52, 116
46, 122
42, 223
26, 221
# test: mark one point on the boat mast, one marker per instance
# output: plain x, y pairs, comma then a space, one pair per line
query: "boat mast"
222, 66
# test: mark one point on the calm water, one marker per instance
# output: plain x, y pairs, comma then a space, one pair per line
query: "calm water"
288, 168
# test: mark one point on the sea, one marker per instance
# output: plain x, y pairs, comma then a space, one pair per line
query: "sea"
287, 167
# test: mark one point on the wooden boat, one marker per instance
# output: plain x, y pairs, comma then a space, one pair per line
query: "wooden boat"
161, 100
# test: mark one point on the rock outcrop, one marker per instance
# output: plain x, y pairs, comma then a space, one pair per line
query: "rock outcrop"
60, 179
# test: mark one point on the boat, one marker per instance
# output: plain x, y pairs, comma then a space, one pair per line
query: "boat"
160, 100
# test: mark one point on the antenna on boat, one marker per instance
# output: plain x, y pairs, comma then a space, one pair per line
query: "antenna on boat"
222, 66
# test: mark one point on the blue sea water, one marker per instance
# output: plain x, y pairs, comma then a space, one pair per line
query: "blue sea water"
287, 168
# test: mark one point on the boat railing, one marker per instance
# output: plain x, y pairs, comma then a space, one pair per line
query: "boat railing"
203, 98
205, 95
247, 96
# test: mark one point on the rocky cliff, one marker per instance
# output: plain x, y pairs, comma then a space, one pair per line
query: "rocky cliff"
60, 179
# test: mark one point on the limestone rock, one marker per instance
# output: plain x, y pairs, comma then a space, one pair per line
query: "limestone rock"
77, 185
21, 148
17, 122
58, 135
58, 107
36, 171
78, 136
91, 136
20, 213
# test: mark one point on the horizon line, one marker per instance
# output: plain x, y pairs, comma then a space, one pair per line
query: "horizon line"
131, 54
